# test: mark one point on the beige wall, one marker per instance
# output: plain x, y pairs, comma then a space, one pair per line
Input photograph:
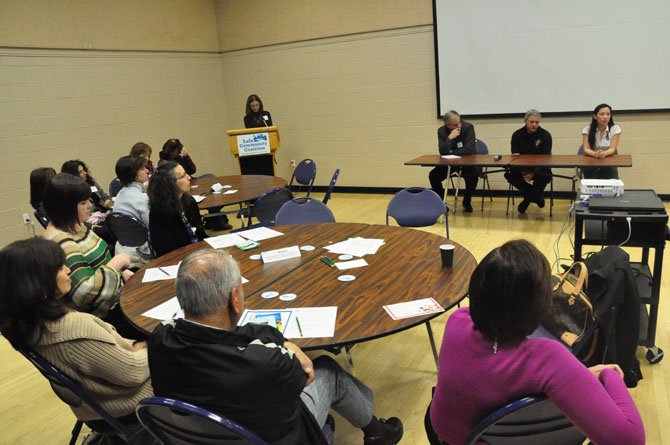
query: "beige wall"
255, 23
158, 25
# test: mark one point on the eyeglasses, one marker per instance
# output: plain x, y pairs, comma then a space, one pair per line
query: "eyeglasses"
182, 176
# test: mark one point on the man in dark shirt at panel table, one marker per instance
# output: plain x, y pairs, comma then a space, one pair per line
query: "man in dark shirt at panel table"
456, 137
252, 374
531, 139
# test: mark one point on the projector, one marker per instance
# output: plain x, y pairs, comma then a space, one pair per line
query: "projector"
602, 187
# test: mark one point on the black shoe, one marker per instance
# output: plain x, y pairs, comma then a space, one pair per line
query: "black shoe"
523, 206
467, 207
540, 202
227, 227
392, 433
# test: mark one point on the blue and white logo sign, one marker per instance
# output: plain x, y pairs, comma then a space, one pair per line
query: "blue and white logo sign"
253, 144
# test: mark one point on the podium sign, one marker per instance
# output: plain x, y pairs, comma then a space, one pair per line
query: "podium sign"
253, 144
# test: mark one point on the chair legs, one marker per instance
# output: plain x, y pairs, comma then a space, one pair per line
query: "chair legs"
76, 429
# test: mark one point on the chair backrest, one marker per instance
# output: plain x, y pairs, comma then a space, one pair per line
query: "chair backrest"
72, 393
268, 204
416, 207
114, 187
304, 174
480, 147
530, 420
303, 211
329, 192
41, 218
174, 422
128, 230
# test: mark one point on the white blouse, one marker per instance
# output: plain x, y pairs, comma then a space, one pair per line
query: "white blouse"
603, 140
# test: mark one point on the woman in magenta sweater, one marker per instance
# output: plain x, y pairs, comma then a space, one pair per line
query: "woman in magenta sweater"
486, 359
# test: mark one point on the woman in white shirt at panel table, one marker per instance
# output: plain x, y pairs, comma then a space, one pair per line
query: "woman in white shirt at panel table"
600, 140
131, 200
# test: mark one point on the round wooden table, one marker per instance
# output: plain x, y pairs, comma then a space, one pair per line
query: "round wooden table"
407, 267
249, 187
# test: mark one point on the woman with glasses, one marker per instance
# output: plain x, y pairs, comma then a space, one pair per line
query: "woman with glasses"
96, 276
34, 313
174, 220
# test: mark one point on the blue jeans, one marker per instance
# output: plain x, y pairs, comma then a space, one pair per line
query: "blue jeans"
335, 388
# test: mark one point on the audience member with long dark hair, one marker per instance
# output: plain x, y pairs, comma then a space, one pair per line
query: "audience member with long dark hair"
486, 359
96, 276
254, 114
174, 219
34, 314
174, 150
101, 200
38, 181
600, 139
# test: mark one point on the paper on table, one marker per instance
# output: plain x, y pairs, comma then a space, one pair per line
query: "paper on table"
229, 192
166, 311
160, 273
227, 240
414, 308
198, 198
216, 187
244, 280
315, 322
451, 157
280, 254
356, 246
344, 265
277, 318
259, 234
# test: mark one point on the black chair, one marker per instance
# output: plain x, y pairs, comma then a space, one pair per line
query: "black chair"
303, 211
329, 192
480, 149
304, 175
130, 232
265, 208
529, 420
74, 395
41, 218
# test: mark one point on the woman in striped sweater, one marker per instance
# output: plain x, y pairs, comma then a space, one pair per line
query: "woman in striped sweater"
96, 276
33, 314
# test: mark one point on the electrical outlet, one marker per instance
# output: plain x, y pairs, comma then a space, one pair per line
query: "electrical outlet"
25, 218
292, 163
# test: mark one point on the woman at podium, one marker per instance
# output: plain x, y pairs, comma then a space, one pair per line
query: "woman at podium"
255, 115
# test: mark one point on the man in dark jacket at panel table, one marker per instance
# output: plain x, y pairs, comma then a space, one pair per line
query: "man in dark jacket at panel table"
251, 373
531, 139
456, 137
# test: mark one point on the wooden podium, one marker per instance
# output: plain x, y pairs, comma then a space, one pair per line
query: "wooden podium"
262, 164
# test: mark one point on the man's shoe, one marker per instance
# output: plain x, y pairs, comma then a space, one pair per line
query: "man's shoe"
392, 433
467, 207
523, 206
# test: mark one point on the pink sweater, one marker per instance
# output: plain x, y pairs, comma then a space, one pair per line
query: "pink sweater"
473, 381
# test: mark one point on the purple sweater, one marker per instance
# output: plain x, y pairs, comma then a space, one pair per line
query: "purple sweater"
473, 381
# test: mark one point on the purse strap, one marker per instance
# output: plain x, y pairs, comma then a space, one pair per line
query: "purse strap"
582, 276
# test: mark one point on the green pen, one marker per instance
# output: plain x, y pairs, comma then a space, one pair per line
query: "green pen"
327, 261
297, 320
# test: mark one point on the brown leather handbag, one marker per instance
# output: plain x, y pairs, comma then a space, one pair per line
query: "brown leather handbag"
571, 317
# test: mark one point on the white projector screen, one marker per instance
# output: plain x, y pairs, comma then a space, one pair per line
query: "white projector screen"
503, 57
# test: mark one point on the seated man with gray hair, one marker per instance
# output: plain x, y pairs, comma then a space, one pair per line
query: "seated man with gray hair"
251, 373
531, 139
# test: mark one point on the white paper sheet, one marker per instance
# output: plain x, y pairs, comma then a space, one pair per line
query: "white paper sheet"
166, 311
198, 198
216, 187
280, 254
344, 265
314, 322
451, 157
229, 192
222, 241
416, 308
259, 233
160, 273
356, 246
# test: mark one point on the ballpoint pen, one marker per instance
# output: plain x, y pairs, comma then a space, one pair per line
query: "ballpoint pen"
164, 271
297, 320
327, 261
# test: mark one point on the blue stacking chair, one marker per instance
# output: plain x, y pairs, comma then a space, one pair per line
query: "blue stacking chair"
303, 211
417, 207
529, 420
304, 175
115, 187
331, 186
265, 208
74, 395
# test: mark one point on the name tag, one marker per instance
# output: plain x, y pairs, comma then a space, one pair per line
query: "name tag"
459, 145
94, 189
